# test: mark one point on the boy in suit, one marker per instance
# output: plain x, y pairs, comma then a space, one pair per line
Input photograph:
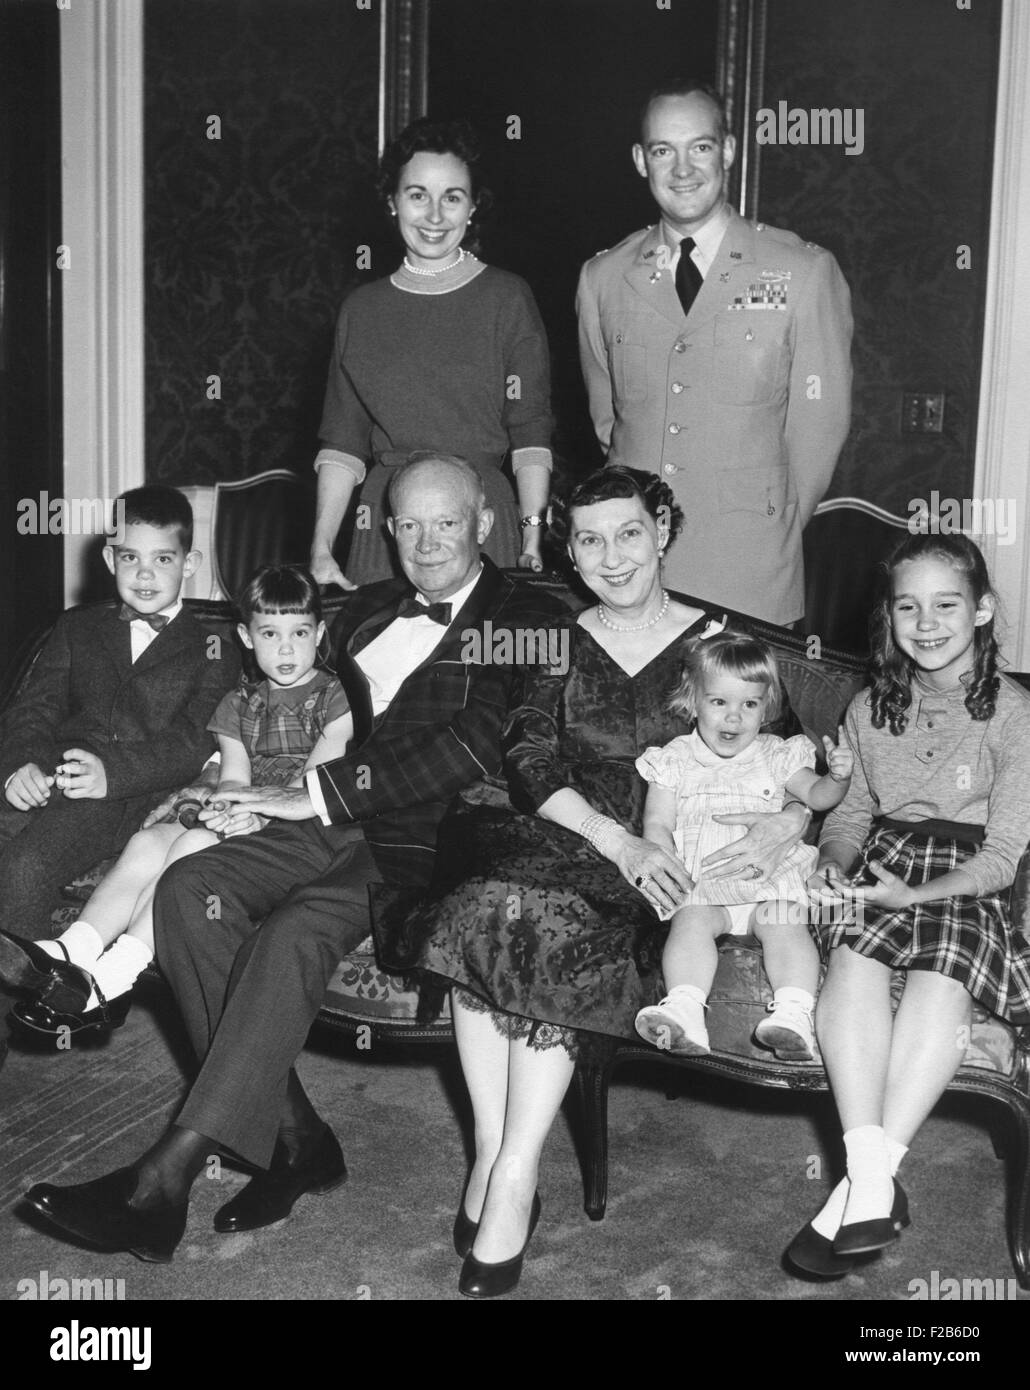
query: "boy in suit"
112, 716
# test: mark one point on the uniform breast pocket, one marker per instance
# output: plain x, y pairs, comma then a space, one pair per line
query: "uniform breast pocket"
627, 356
768, 492
750, 357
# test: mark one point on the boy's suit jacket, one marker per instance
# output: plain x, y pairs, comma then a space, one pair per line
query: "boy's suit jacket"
146, 721
742, 405
441, 730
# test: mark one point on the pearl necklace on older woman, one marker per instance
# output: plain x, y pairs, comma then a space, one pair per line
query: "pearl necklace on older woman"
605, 621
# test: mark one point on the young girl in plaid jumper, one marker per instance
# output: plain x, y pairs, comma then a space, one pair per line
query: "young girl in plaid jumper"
268, 733
924, 845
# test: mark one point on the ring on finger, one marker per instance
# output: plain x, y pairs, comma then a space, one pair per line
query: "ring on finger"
641, 879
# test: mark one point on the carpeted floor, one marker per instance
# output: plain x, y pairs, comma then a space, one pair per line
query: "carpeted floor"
705, 1189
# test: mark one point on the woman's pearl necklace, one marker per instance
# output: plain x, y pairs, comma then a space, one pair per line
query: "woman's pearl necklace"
417, 270
637, 627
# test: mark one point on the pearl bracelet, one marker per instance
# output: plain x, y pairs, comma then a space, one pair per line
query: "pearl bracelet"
598, 830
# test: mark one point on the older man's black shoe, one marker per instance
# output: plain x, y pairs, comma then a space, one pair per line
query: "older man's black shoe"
99, 1212
27, 968
270, 1196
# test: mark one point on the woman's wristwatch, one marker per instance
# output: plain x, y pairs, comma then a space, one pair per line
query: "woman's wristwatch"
534, 519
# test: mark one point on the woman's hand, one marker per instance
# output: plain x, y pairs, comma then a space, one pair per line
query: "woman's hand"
657, 875
771, 834
325, 570
528, 561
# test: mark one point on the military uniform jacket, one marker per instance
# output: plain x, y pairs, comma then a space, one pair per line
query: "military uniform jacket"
742, 405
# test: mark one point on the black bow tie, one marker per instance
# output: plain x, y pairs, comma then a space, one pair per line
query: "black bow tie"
156, 620
439, 612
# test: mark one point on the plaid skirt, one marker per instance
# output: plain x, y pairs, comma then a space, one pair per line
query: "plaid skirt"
970, 939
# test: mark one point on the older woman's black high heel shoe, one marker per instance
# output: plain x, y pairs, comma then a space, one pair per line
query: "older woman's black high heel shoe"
465, 1231
481, 1280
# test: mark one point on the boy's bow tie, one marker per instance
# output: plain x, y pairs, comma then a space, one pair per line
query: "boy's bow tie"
157, 621
439, 612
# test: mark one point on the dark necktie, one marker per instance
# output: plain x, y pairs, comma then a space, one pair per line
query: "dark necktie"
156, 620
439, 612
688, 278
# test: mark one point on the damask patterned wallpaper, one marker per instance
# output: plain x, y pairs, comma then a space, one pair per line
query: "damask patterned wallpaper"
924, 74
250, 237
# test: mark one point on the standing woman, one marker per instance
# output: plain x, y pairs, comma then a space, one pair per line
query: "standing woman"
444, 354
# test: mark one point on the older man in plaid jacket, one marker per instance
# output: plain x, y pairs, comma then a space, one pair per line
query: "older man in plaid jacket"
249, 933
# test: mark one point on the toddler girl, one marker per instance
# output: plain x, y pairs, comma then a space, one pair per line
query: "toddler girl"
731, 687
295, 717
936, 820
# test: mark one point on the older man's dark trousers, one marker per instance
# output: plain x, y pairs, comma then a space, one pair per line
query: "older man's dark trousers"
248, 934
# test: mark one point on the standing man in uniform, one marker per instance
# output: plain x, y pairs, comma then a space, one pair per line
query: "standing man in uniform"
718, 353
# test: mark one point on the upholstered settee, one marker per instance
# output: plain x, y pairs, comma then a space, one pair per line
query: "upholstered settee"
364, 1002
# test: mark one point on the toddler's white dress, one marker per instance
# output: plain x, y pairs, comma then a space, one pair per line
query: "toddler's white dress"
707, 785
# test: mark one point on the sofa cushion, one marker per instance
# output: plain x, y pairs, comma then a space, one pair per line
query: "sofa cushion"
741, 992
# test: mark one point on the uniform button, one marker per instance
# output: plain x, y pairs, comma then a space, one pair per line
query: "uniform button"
679, 347
674, 429
670, 468
759, 226
677, 387
929, 723
929, 752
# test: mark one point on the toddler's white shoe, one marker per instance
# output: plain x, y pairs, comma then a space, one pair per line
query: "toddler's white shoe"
675, 1025
788, 1032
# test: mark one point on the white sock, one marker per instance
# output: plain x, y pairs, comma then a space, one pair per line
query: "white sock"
790, 995
828, 1220
895, 1153
119, 968
869, 1169
80, 940
689, 992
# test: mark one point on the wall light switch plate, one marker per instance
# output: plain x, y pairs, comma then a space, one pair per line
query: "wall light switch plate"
922, 412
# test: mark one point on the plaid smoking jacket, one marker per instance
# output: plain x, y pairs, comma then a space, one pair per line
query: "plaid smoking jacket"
441, 731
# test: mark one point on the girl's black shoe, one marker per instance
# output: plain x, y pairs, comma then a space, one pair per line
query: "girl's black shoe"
814, 1255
